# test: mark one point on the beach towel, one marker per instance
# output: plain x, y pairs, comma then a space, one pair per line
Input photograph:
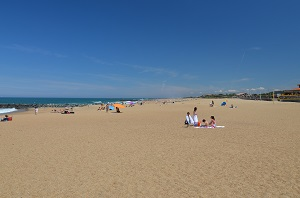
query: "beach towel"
210, 127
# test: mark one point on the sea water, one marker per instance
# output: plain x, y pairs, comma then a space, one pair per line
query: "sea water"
60, 101
7, 110
13, 100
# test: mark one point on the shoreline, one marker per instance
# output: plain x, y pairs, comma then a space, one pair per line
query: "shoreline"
20, 108
18, 111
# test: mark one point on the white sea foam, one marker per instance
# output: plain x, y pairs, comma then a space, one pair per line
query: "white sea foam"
7, 110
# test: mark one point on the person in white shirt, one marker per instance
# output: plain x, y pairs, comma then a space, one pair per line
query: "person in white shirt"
36, 110
195, 116
188, 119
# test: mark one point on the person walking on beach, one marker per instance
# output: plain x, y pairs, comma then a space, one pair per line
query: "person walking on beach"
36, 110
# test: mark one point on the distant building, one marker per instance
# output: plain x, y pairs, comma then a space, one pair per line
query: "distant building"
292, 95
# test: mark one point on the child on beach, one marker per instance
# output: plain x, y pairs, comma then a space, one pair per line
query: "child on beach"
212, 122
204, 123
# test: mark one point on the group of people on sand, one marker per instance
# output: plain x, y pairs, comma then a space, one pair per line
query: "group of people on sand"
222, 104
65, 111
104, 107
107, 108
193, 120
56, 111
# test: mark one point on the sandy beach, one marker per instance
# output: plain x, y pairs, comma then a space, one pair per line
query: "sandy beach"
146, 151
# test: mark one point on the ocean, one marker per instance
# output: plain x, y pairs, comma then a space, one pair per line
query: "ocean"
59, 101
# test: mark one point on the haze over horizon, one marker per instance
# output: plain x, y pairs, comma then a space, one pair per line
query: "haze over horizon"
147, 49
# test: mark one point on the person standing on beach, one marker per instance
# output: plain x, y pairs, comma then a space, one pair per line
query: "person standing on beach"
106, 108
36, 110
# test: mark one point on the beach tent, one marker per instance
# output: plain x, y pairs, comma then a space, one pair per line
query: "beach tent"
129, 102
111, 107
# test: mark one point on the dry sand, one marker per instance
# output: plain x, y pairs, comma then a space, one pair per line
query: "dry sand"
146, 151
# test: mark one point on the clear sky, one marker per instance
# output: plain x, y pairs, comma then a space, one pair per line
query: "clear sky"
147, 48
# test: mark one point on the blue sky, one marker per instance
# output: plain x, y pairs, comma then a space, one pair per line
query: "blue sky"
147, 48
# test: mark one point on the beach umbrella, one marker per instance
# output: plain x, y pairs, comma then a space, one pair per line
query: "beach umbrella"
119, 106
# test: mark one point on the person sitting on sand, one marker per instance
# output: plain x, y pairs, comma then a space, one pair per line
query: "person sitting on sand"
195, 116
204, 123
5, 118
212, 122
118, 110
188, 119
231, 106
67, 112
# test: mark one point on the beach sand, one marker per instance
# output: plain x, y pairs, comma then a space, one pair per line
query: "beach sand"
146, 151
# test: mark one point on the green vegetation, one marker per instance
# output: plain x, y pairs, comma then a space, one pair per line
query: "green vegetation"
233, 95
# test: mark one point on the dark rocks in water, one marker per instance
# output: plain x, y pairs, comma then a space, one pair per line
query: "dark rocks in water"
26, 106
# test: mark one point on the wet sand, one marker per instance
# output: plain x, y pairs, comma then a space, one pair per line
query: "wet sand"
146, 151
